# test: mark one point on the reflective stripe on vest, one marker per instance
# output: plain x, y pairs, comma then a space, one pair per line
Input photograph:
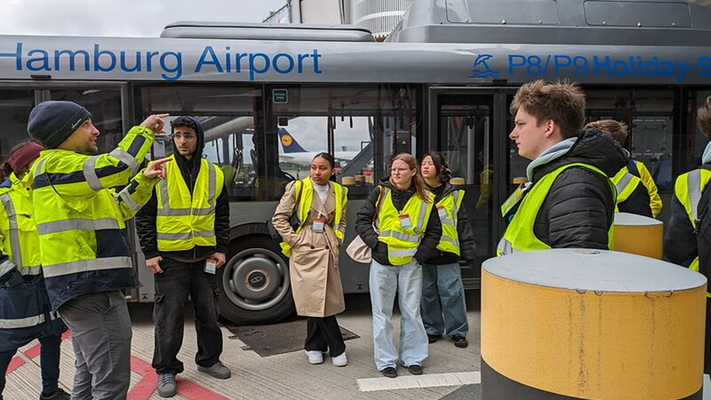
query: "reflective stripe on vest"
519, 235
27, 322
625, 184
184, 219
403, 242
304, 205
449, 241
688, 190
21, 235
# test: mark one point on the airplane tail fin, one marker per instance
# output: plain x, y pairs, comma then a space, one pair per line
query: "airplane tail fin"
288, 143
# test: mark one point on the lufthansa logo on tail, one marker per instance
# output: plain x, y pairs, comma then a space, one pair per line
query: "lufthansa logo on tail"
286, 140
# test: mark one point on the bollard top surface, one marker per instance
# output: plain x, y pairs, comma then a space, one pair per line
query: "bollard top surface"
627, 219
594, 270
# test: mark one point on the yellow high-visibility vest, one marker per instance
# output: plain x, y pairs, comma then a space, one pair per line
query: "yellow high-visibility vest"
302, 209
447, 209
519, 235
186, 220
17, 225
403, 241
625, 185
688, 188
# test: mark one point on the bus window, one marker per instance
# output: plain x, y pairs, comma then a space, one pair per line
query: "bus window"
227, 117
363, 127
15, 107
697, 98
105, 108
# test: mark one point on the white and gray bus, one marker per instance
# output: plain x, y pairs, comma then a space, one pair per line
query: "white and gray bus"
269, 96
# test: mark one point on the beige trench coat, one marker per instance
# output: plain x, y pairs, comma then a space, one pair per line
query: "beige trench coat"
313, 266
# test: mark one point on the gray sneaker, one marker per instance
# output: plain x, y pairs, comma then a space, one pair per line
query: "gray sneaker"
166, 385
218, 370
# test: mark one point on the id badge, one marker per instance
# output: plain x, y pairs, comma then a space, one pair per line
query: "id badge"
405, 222
442, 212
317, 227
211, 266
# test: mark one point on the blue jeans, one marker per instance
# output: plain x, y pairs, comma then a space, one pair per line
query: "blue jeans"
443, 296
406, 281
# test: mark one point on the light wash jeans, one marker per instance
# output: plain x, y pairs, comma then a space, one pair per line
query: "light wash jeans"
443, 295
406, 281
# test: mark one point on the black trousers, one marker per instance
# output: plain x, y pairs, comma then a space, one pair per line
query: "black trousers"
173, 286
323, 334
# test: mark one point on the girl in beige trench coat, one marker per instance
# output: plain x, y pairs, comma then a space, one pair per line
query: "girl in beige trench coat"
313, 265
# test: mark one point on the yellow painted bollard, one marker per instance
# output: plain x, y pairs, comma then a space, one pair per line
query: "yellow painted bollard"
348, 181
588, 324
637, 234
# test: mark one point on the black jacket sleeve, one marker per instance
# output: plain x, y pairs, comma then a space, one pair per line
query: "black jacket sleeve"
222, 222
638, 202
578, 211
429, 242
146, 227
680, 244
364, 219
467, 245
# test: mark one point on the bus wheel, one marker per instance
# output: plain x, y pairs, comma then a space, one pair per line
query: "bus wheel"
254, 283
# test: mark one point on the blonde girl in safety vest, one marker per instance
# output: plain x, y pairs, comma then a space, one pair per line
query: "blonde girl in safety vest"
399, 223
444, 309
319, 206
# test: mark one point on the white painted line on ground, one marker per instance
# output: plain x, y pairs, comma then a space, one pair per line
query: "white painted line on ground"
421, 381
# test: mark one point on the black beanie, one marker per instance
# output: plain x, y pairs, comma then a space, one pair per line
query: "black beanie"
52, 122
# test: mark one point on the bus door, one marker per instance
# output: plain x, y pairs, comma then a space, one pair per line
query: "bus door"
467, 126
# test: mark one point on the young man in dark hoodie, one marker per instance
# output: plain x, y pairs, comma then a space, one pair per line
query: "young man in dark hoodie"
184, 234
569, 201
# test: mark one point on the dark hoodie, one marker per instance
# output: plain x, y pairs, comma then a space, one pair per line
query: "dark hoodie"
579, 208
365, 217
146, 218
467, 245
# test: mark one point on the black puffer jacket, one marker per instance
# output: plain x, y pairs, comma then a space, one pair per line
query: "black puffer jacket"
365, 217
467, 245
579, 208
146, 218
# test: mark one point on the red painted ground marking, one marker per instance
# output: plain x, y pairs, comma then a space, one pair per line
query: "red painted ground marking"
196, 392
33, 351
16, 363
147, 385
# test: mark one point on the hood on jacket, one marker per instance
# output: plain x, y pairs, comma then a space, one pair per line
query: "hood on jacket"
194, 162
591, 147
706, 158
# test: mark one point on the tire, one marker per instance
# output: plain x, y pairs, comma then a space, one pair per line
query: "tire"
254, 282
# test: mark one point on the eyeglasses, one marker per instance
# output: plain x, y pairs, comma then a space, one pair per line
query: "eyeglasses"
187, 136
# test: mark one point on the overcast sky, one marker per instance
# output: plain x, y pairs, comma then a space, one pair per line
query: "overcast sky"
123, 17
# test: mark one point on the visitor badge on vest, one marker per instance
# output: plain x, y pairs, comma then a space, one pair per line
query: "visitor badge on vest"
442, 212
405, 222
318, 225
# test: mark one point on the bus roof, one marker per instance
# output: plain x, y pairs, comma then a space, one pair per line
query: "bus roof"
589, 22
282, 32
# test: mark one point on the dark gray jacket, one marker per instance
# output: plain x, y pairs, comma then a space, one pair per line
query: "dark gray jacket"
579, 208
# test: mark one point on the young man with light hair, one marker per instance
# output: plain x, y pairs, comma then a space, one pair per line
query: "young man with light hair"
569, 201
637, 192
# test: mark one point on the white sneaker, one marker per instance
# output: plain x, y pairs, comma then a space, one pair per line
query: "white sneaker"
315, 357
340, 361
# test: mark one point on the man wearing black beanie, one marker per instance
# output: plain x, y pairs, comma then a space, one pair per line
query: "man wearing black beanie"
83, 243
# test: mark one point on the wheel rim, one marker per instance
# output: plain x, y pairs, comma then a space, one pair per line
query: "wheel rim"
256, 279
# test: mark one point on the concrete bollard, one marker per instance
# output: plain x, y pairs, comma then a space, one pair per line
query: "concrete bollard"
637, 234
590, 324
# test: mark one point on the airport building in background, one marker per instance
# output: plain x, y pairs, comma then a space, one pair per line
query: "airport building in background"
377, 16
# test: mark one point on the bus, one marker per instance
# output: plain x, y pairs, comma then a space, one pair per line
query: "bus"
269, 95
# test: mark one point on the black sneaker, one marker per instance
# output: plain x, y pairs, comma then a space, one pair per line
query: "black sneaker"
460, 341
433, 338
58, 395
389, 372
415, 369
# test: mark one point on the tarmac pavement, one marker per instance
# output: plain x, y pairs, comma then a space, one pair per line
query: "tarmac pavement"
283, 376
